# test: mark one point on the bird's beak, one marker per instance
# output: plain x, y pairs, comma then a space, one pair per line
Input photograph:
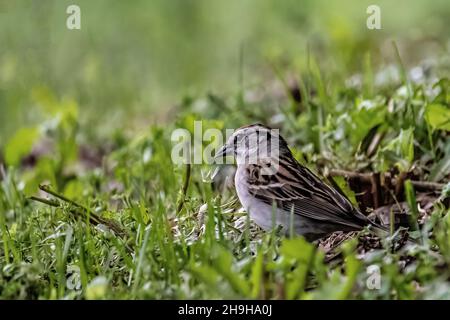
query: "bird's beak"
222, 152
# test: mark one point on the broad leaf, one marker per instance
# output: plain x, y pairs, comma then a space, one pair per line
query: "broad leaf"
438, 116
20, 145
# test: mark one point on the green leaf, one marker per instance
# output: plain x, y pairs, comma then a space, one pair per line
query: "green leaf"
296, 280
44, 171
45, 99
257, 273
438, 116
367, 115
412, 203
223, 264
352, 267
297, 248
400, 151
20, 145
302, 253
74, 189
204, 273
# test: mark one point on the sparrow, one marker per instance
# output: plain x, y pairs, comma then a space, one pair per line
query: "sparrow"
276, 190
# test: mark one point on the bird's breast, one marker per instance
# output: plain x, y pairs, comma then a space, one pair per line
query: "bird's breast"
259, 211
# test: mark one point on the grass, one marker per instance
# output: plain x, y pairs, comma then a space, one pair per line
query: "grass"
136, 226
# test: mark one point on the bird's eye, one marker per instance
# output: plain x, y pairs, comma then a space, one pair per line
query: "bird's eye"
235, 145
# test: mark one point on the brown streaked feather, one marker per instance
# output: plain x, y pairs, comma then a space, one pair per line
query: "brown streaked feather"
294, 187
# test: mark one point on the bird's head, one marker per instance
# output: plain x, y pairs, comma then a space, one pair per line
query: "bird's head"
253, 143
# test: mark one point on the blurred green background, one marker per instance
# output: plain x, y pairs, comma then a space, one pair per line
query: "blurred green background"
131, 64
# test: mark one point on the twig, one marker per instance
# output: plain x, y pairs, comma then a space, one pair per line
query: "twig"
56, 204
47, 189
367, 177
426, 185
112, 225
48, 202
93, 218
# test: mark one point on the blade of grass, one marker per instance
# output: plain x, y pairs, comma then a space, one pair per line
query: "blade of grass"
137, 274
406, 82
412, 203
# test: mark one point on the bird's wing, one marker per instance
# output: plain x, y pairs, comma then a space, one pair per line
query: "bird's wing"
294, 187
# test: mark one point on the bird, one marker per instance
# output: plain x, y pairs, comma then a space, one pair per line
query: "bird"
276, 190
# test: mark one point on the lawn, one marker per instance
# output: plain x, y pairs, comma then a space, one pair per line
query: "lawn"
93, 207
